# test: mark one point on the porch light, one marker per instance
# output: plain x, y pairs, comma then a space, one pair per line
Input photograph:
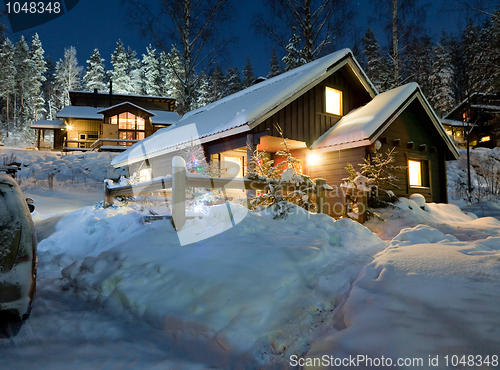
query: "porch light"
312, 159
485, 138
69, 127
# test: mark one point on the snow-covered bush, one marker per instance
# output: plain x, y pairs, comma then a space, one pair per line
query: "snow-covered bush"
380, 179
286, 185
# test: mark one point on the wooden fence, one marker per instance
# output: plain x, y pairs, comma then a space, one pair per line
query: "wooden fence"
181, 179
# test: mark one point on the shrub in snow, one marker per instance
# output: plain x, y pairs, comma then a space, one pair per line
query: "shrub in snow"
377, 171
286, 185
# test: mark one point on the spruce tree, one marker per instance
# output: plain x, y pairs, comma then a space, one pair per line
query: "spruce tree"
151, 72
218, 84
95, 74
274, 66
119, 74
293, 57
7, 79
441, 94
67, 77
248, 74
234, 83
203, 97
375, 63
135, 73
23, 66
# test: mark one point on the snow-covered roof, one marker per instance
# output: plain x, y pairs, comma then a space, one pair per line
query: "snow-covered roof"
49, 124
81, 112
452, 122
359, 127
102, 110
162, 117
237, 112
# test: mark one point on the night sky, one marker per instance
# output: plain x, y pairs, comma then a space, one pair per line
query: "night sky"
91, 24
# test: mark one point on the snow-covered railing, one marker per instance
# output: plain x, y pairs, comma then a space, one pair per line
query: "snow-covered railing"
100, 142
181, 179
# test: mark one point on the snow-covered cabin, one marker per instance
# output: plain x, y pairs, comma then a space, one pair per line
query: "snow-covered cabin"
332, 115
482, 112
94, 117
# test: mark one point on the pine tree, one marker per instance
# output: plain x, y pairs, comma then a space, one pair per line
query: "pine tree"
67, 77
7, 78
274, 66
119, 74
376, 66
248, 74
48, 88
234, 83
95, 74
151, 72
173, 77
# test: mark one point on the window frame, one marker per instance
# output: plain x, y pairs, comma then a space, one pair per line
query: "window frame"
341, 101
425, 178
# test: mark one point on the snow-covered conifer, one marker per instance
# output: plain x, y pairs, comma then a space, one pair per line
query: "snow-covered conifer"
293, 57
274, 65
441, 81
234, 83
151, 72
67, 77
7, 79
248, 74
119, 74
95, 74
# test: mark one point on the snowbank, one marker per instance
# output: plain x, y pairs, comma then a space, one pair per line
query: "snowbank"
56, 170
263, 288
421, 301
447, 218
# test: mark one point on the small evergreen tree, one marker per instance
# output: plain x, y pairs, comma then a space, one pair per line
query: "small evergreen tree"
234, 83
293, 57
280, 178
248, 74
274, 66
378, 171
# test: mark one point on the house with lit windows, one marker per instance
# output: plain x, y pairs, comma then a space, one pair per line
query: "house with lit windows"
331, 115
479, 116
105, 121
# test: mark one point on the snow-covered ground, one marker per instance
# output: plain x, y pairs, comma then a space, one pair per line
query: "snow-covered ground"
117, 292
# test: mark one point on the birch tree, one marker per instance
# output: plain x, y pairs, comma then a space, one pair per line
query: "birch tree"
194, 27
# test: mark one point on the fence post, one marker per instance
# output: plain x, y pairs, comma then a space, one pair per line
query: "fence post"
178, 192
363, 205
320, 195
108, 195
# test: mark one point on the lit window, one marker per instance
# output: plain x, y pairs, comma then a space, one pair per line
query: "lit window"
415, 170
140, 123
333, 101
145, 174
232, 170
485, 138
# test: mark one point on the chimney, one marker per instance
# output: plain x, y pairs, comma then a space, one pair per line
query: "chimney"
95, 97
110, 93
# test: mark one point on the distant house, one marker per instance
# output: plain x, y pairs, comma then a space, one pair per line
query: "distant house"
106, 121
481, 113
332, 115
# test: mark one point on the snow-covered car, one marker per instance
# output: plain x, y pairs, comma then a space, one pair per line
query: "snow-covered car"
17, 250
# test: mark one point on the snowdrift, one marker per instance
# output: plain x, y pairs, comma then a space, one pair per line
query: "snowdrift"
260, 289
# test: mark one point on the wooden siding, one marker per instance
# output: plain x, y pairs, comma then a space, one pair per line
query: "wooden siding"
85, 125
413, 125
305, 119
331, 167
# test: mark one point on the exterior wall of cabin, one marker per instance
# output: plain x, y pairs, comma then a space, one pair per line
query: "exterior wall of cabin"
85, 131
305, 119
331, 167
418, 141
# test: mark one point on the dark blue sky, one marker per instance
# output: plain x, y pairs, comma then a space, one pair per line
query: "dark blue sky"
100, 23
